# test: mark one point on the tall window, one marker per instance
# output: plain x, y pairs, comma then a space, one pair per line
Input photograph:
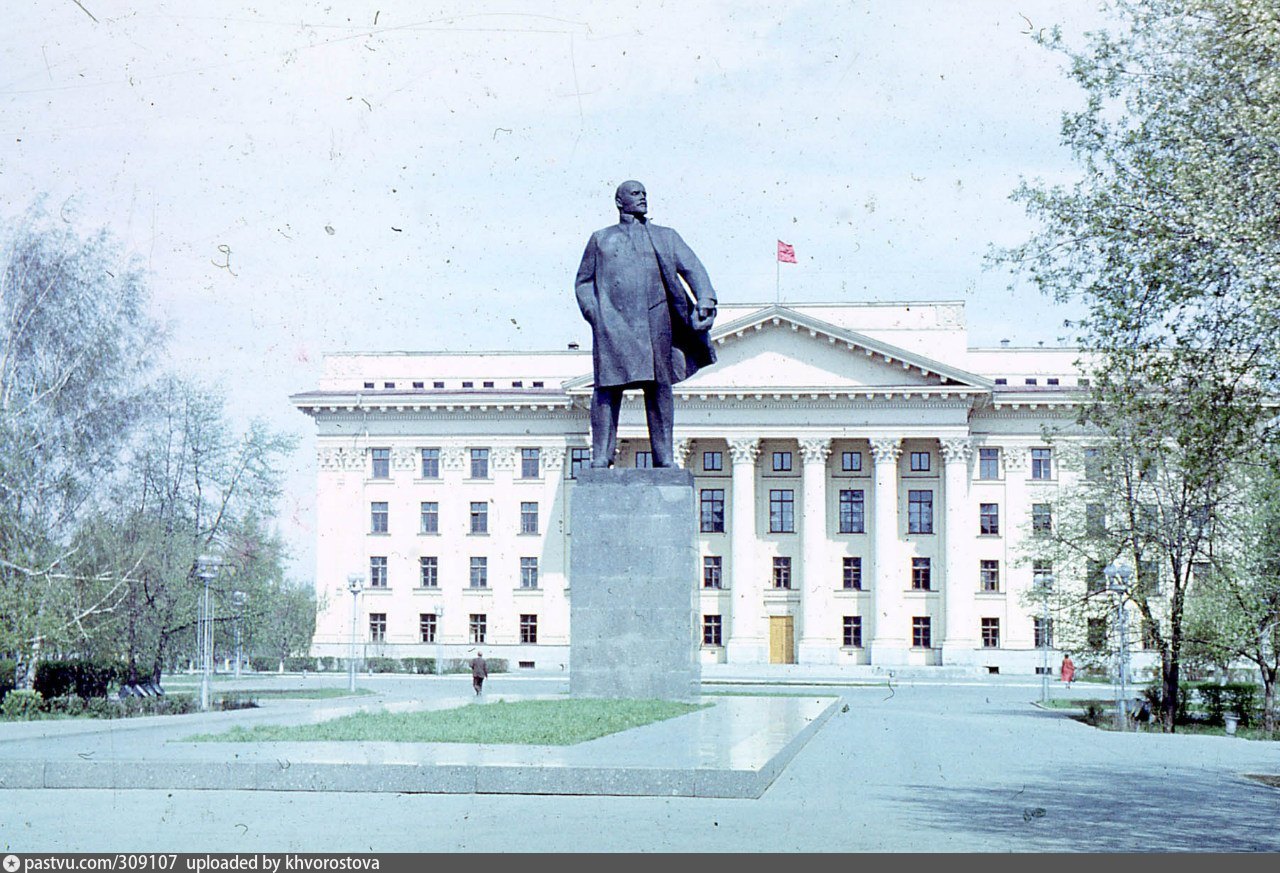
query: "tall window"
852, 631
479, 572
1148, 632
529, 572
1093, 464
1043, 632
578, 458
712, 630
988, 463
429, 571
711, 510
712, 461
1041, 519
781, 462
782, 510
644, 460
851, 462
712, 571
921, 574
1041, 572
1096, 633
530, 463
988, 518
378, 513
430, 463
920, 512
478, 626
919, 462
479, 463
1042, 463
479, 517
429, 517
991, 633
426, 627
921, 632
1095, 519
378, 572
528, 517
528, 628
781, 572
851, 573
377, 627
989, 576
381, 463
852, 511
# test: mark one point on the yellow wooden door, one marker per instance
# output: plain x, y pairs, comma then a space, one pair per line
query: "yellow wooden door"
782, 639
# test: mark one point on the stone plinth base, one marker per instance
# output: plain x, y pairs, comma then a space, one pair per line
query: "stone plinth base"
633, 594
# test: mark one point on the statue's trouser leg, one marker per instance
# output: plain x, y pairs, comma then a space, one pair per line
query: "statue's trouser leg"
606, 403
659, 409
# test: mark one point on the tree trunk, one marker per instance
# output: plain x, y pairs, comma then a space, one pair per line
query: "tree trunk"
1269, 700
1169, 695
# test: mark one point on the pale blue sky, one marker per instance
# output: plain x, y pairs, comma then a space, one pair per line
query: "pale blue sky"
386, 176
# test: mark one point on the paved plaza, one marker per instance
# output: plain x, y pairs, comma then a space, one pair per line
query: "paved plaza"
925, 766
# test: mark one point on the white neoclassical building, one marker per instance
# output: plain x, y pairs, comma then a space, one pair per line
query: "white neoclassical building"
863, 479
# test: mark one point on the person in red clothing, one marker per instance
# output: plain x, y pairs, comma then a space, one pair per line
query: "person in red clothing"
1068, 669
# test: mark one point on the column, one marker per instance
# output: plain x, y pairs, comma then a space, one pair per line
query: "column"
817, 629
960, 574
892, 633
747, 644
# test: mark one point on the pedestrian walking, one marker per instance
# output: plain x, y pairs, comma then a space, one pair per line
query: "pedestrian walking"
479, 672
1068, 672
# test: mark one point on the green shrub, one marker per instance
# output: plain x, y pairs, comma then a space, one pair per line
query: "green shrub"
300, 665
70, 704
8, 676
54, 678
22, 705
1211, 694
86, 677
419, 665
463, 665
330, 663
232, 700
383, 665
1242, 699
1093, 714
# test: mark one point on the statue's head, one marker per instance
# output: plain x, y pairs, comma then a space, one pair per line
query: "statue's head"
631, 198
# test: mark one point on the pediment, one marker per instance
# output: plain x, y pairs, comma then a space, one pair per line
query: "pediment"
778, 349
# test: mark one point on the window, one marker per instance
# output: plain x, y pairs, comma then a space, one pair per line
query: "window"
988, 463
1041, 519
852, 631
487, 383
426, 627
1095, 519
781, 572
478, 626
782, 511
712, 571
1052, 380
378, 572
1148, 636
430, 463
479, 463
781, 462
437, 384
528, 572
528, 517
1042, 463
528, 628
467, 384
1096, 635
519, 383
1030, 380
378, 517
712, 627
479, 517
920, 512
578, 458
919, 462
381, 463
1147, 580
851, 462
851, 573
921, 632
989, 576
538, 384
988, 518
479, 572
1093, 464
1096, 580
368, 384
429, 571
1041, 572
921, 574
377, 627
644, 460
712, 461
530, 463
1000, 380
1043, 629
852, 512
429, 517
419, 384
711, 510
990, 633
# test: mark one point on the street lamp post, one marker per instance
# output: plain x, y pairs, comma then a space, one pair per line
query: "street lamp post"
355, 582
238, 599
1044, 585
439, 610
207, 569
1118, 576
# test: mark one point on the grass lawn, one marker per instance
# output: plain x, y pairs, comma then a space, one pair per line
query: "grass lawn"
526, 722
297, 693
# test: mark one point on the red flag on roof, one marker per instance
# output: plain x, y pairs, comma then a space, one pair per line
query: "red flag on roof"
786, 253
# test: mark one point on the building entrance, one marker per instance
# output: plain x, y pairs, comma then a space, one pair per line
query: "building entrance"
782, 639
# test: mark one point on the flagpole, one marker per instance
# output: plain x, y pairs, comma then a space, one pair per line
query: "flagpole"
777, 281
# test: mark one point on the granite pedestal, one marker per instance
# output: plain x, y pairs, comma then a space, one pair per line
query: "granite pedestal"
633, 595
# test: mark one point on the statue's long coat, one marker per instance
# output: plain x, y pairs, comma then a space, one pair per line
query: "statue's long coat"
629, 343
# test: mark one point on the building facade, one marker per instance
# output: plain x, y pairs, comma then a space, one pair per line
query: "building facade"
864, 481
